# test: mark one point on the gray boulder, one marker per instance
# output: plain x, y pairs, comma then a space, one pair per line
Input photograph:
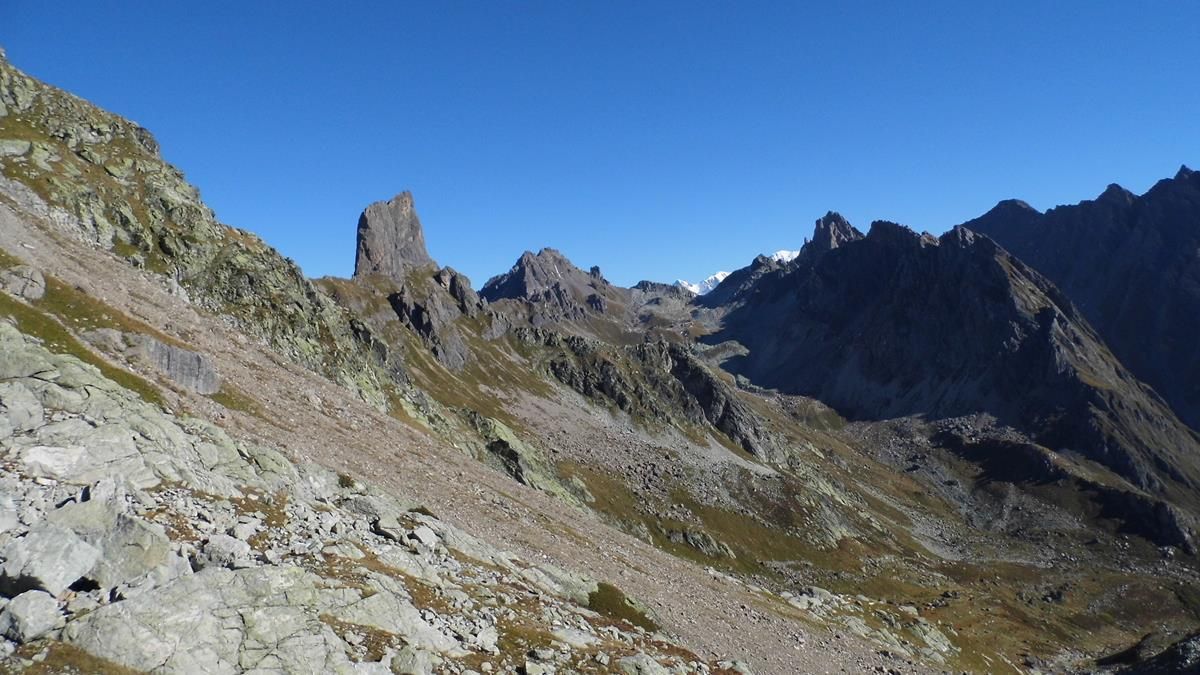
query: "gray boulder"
641, 664
223, 550
24, 282
88, 455
49, 558
410, 661
262, 619
29, 616
130, 547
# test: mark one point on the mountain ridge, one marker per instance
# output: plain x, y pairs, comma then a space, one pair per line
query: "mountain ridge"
999, 466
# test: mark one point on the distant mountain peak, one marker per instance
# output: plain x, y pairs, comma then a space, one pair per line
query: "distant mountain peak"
832, 231
533, 274
706, 286
1013, 205
1115, 194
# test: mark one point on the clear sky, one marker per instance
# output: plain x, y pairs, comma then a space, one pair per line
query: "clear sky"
655, 139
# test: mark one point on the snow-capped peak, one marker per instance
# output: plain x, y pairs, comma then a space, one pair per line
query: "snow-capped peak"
781, 256
704, 286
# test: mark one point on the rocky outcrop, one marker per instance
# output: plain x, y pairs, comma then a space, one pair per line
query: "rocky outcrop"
899, 324
390, 240
657, 383
831, 231
1132, 265
188, 369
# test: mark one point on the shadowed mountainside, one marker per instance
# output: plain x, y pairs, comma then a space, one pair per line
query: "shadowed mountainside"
1132, 265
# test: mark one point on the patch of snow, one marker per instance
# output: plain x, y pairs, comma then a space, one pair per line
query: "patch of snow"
704, 286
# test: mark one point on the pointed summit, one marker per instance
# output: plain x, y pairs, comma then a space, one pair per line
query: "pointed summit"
1184, 172
832, 231
1115, 194
390, 239
534, 274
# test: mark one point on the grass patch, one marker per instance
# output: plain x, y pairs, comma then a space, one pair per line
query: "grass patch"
611, 602
83, 312
8, 260
375, 642
232, 398
56, 338
65, 659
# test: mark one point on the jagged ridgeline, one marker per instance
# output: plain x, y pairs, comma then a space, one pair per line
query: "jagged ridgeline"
107, 172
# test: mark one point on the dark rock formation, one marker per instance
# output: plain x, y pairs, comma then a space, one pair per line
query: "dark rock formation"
459, 287
1132, 266
390, 239
657, 382
899, 324
554, 290
832, 230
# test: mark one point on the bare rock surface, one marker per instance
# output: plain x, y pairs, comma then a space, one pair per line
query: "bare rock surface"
390, 239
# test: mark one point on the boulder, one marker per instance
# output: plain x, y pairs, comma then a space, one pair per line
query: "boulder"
29, 616
50, 558
223, 550
262, 619
23, 282
410, 661
641, 664
129, 547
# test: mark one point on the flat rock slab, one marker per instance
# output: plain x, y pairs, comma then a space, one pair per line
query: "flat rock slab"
217, 621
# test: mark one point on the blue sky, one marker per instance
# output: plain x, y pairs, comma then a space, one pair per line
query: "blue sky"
655, 139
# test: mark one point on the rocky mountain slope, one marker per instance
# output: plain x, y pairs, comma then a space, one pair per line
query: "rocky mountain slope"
201, 424
1132, 265
898, 324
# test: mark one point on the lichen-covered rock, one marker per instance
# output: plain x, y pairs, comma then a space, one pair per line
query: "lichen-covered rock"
129, 547
186, 625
